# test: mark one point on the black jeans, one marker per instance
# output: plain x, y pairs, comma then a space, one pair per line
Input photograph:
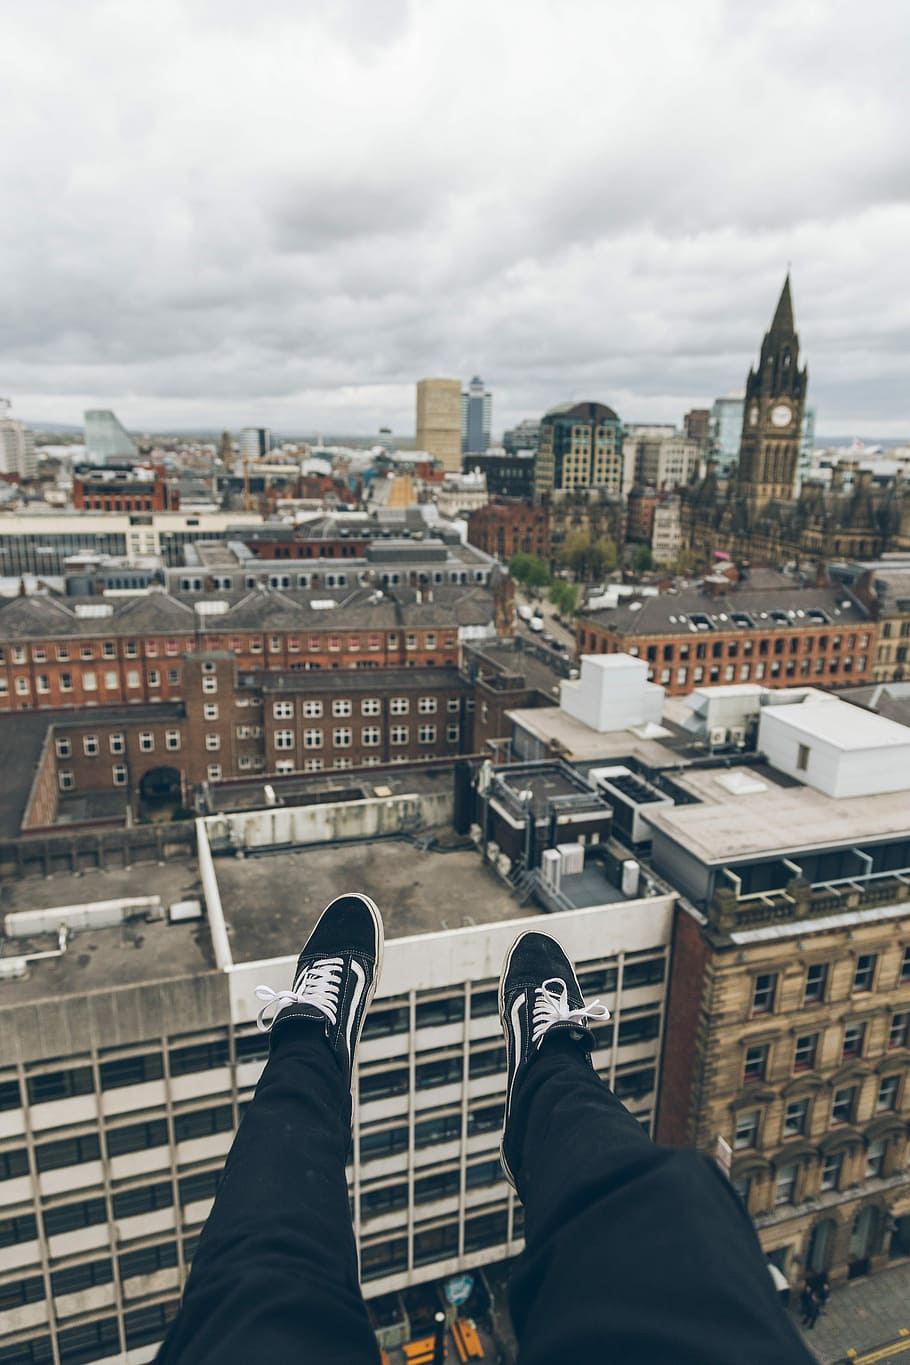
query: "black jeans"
634, 1252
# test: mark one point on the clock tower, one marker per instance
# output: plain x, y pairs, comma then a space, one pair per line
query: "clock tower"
773, 414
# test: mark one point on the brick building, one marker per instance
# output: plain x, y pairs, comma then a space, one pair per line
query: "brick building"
641, 504
89, 766
141, 489
54, 653
509, 527
778, 635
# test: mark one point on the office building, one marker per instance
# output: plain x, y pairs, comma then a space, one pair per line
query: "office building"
581, 447
17, 446
725, 431
697, 426
140, 489
106, 438
439, 421
508, 475
255, 443
476, 418
666, 532
525, 436
118, 1110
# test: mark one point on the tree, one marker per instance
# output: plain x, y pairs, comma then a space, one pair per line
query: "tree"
588, 559
564, 596
642, 560
529, 570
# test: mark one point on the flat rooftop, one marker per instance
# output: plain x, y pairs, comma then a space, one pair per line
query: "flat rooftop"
844, 726
271, 900
133, 953
782, 818
578, 742
354, 784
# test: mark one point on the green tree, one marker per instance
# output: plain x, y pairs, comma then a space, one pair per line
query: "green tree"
603, 557
529, 570
642, 560
564, 596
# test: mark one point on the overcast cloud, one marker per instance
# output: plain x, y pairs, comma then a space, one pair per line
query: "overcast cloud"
284, 213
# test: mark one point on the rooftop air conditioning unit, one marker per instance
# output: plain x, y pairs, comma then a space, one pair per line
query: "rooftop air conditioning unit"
717, 735
738, 736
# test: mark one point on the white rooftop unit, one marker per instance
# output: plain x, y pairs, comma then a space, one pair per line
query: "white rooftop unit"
837, 748
612, 693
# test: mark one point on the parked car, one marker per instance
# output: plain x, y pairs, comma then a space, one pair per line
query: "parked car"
536, 624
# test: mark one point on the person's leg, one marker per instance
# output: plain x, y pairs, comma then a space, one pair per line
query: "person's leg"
633, 1251
275, 1274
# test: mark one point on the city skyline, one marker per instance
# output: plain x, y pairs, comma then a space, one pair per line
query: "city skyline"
603, 246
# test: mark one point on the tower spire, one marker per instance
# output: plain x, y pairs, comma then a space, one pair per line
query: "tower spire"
782, 322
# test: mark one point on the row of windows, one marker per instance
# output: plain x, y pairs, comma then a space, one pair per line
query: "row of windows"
370, 736
369, 706
806, 1047
427, 1188
91, 745
92, 1341
815, 988
764, 647
832, 1174
88, 680
89, 650
798, 1112
72, 1151
438, 1242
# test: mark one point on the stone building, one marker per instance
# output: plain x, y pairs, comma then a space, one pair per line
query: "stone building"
509, 527
788, 1041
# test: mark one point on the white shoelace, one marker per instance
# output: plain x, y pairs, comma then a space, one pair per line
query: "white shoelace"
552, 1007
317, 985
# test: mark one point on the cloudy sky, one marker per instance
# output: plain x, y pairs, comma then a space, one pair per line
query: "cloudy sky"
220, 213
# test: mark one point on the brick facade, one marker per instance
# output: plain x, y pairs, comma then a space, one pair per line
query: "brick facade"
508, 527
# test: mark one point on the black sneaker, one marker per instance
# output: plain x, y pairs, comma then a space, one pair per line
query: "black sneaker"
336, 977
539, 995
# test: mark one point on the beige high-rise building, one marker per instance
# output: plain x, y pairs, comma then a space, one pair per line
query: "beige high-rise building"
439, 420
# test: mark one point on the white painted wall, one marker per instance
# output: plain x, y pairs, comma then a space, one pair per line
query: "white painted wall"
862, 760
612, 693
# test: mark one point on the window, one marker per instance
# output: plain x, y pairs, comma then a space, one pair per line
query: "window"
831, 1169
132, 677
763, 993
875, 1159
154, 676
66, 779
43, 683
212, 742
75, 1278
842, 1108
213, 772
399, 706
453, 733
900, 1026
90, 681
210, 685
312, 739
173, 676
312, 710
203, 1123
796, 1117
70, 1217
370, 735
136, 1137
135, 1070
144, 1199
370, 706
426, 706
887, 1094
22, 687
172, 739
90, 745
13, 1164
51, 1156
854, 1037
111, 681
804, 1053
210, 710
399, 734
64, 748
342, 737
146, 741
426, 734
198, 1057
746, 1131
446, 1010
283, 710
865, 972
785, 1184
756, 1064
119, 774
341, 707
816, 981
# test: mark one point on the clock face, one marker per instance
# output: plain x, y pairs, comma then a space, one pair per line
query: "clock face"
780, 416
753, 415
